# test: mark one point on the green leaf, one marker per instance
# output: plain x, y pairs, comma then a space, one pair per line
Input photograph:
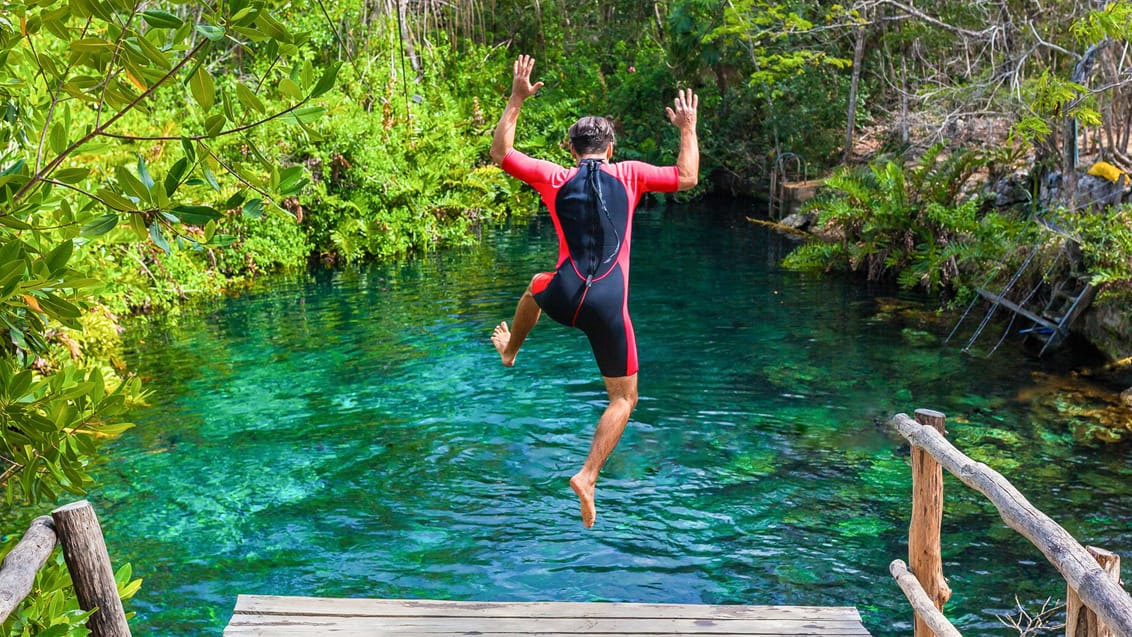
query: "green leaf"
57, 139
203, 88
12, 222
291, 180
189, 146
175, 175
158, 237
304, 115
143, 173
211, 178
116, 201
211, 32
92, 45
100, 226
196, 215
71, 175
11, 274
214, 125
288, 88
59, 309
153, 54
57, 259
248, 98
326, 82
253, 208
131, 184
162, 19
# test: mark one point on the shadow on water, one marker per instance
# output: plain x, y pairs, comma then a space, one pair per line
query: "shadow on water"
352, 433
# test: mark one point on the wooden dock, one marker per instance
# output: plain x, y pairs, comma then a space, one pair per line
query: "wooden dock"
308, 616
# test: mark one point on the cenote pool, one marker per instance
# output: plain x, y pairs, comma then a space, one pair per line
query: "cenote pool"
351, 433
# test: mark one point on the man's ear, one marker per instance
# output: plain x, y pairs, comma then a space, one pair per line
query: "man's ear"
573, 153
609, 151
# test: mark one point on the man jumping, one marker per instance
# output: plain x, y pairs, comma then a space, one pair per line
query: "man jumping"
592, 206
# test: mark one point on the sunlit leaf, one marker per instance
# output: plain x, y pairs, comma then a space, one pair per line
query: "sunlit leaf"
71, 175
57, 139
203, 88
211, 32
248, 98
326, 82
214, 125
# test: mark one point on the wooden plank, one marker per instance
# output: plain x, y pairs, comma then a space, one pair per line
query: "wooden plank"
258, 615
270, 604
376, 631
526, 626
1013, 307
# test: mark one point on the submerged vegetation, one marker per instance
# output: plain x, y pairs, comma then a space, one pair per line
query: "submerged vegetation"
152, 152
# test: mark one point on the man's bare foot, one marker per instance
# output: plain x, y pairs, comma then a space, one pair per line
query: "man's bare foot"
500, 337
585, 491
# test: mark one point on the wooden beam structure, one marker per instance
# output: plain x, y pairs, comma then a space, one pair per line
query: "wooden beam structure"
257, 615
1095, 587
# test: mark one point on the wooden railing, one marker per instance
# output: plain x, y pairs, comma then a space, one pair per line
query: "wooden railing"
1097, 605
74, 527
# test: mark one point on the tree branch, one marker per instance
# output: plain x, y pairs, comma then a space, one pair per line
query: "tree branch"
99, 130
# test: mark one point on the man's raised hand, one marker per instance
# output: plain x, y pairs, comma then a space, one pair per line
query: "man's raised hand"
521, 86
683, 112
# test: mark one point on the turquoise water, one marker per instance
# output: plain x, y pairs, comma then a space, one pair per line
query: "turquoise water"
352, 433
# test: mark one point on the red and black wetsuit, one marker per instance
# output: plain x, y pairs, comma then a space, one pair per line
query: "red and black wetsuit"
592, 207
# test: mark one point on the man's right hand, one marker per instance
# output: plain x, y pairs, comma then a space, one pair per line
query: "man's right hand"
682, 113
521, 86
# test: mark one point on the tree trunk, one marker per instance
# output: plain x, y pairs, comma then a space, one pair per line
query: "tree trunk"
854, 85
925, 557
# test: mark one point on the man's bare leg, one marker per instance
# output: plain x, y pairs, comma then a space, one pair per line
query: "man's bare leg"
622, 399
508, 341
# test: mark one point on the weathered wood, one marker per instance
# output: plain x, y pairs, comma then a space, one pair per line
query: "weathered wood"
924, 553
299, 616
1080, 621
84, 549
17, 572
1110, 602
923, 604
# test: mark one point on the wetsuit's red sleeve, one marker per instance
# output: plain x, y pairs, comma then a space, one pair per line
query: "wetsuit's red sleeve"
651, 178
536, 172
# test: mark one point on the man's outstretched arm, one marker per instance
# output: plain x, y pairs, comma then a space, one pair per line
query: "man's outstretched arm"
521, 89
683, 116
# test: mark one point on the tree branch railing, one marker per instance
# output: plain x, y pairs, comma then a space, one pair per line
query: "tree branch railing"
75, 527
1102, 607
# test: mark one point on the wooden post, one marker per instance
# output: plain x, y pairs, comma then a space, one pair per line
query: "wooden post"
924, 554
17, 573
1079, 620
84, 549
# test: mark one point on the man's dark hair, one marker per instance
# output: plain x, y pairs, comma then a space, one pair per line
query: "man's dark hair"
591, 135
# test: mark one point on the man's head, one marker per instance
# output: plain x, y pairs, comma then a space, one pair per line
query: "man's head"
591, 135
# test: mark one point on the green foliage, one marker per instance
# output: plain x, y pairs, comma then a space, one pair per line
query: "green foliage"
51, 610
1049, 97
913, 225
1106, 241
405, 172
